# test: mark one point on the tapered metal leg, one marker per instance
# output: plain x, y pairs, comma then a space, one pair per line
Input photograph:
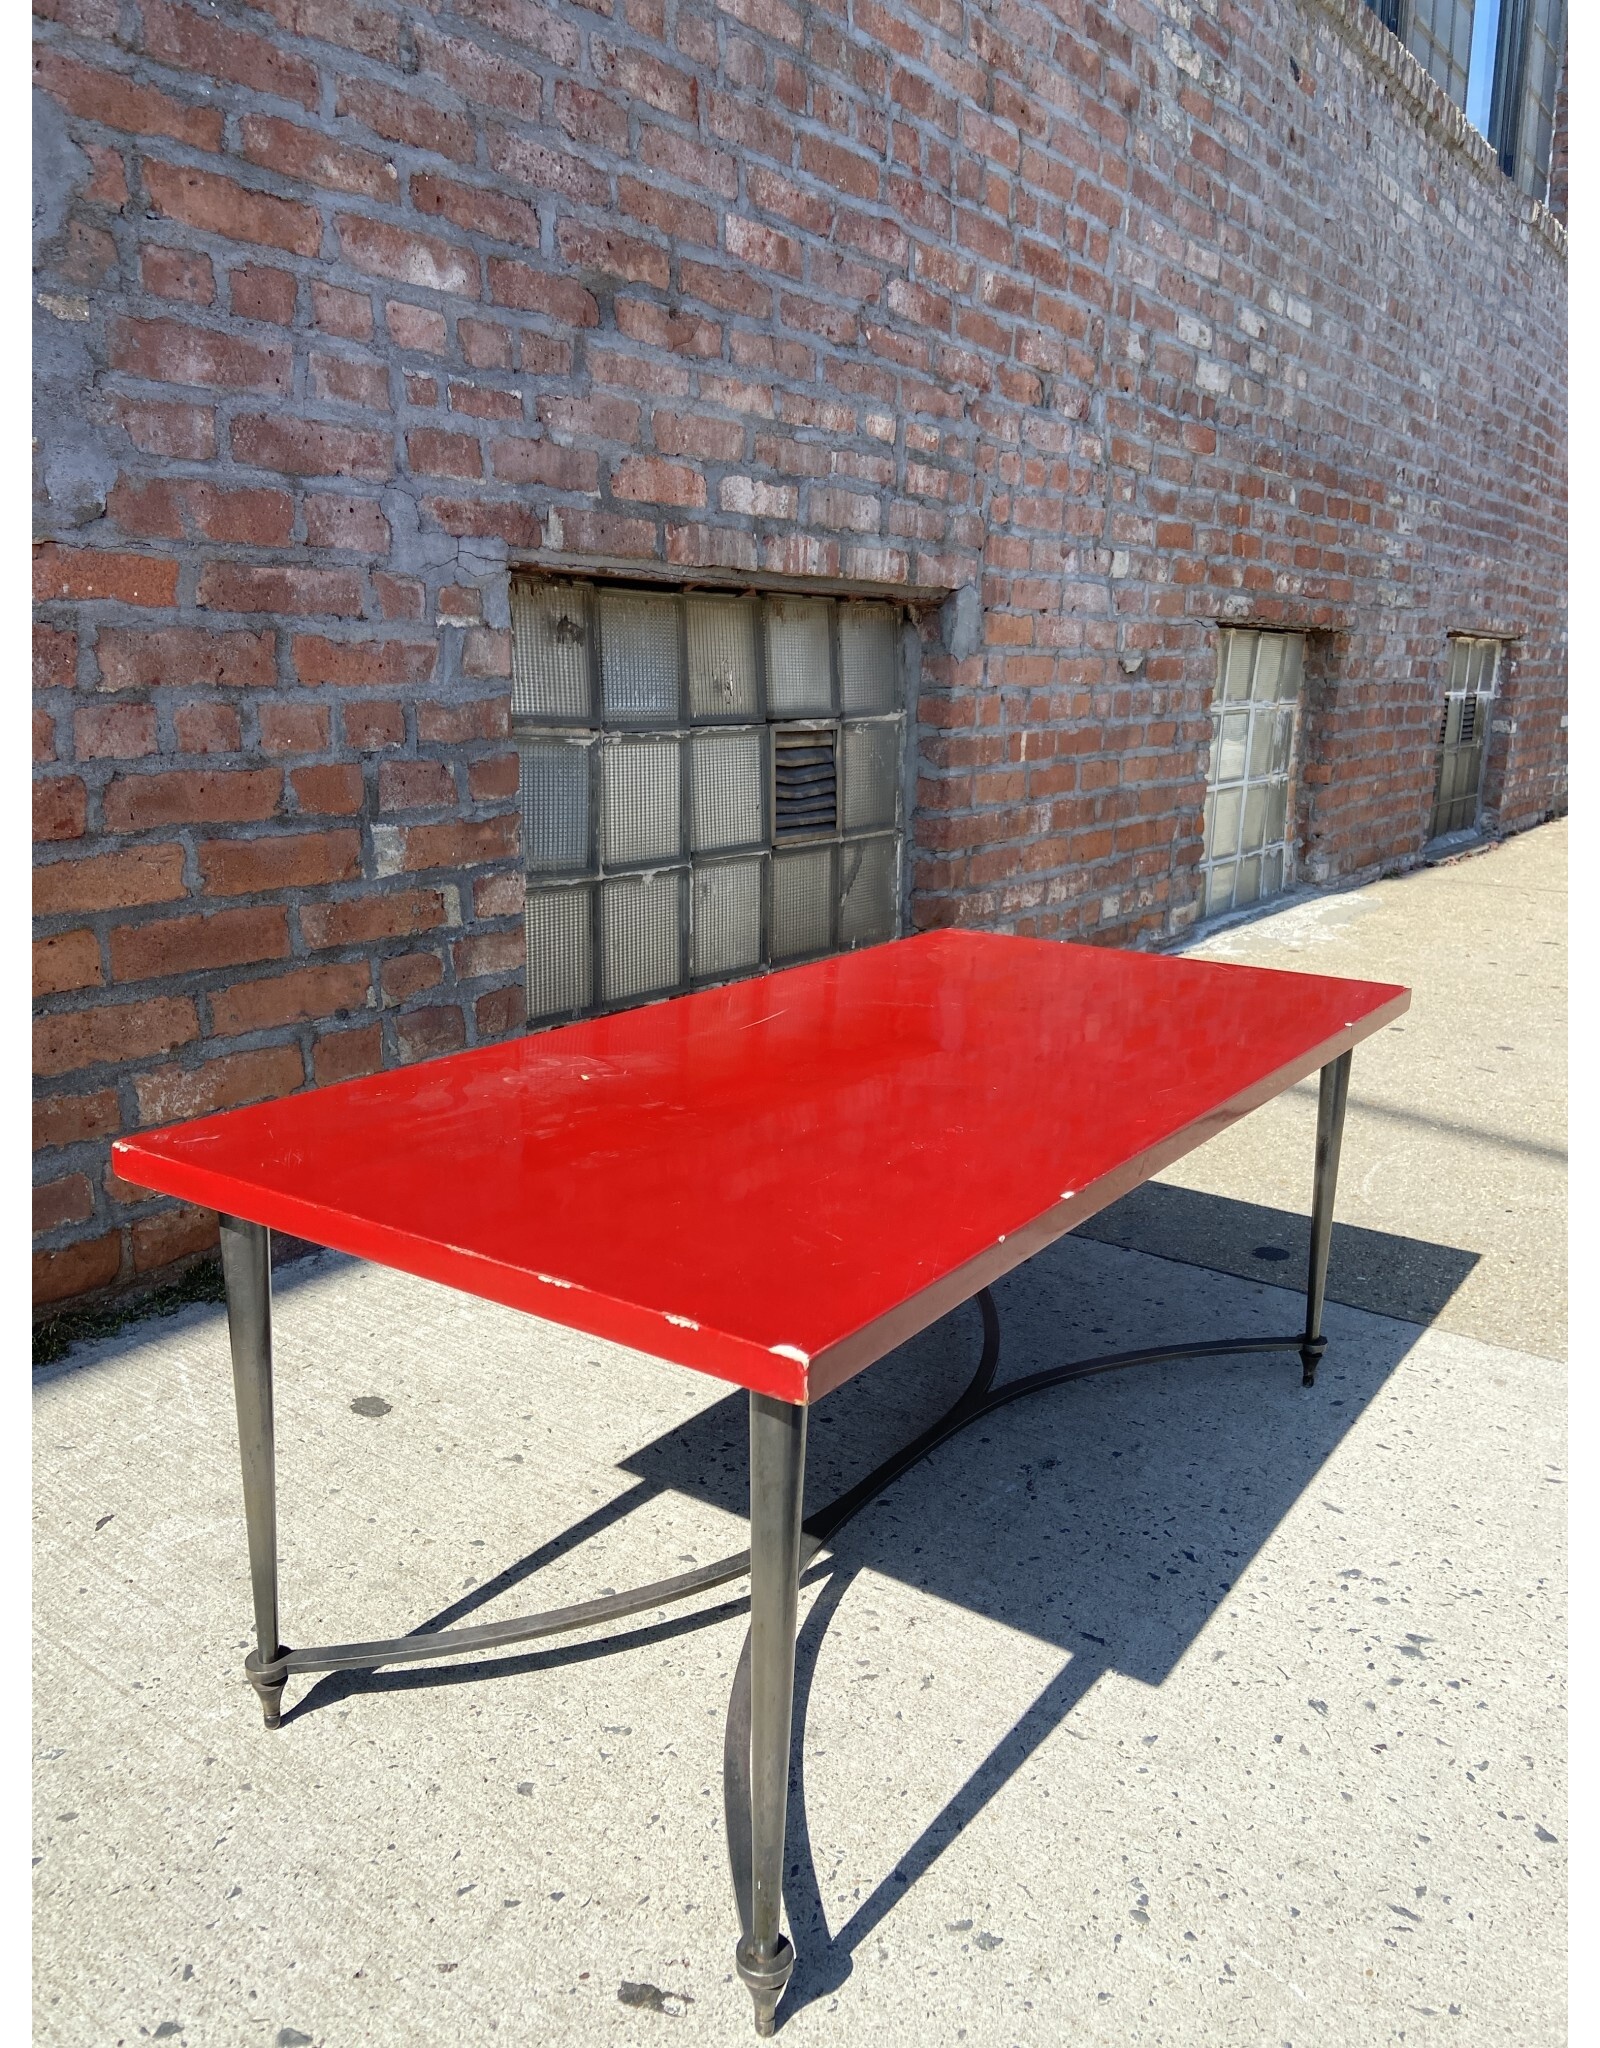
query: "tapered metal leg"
764, 1956
1332, 1094
247, 1268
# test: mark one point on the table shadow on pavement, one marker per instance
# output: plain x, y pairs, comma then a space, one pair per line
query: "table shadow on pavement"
1109, 1519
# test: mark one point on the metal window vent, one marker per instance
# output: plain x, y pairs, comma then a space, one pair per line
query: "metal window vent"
805, 781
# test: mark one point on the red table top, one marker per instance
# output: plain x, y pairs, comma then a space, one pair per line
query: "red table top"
778, 1181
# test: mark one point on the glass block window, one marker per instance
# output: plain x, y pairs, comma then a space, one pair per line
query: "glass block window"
1438, 33
1248, 852
1544, 42
710, 786
1469, 691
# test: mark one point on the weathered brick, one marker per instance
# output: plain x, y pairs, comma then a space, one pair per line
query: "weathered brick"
206, 729
114, 1031
242, 587
202, 46
136, 803
177, 274
219, 206
408, 975
301, 447
490, 953
60, 1120
459, 845
383, 249
176, 1233
115, 101
338, 311
290, 998
332, 790
386, 914
476, 209
108, 881
425, 1034
295, 152
83, 574
185, 657
188, 432
259, 291
114, 732
362, 663
173, 352
406, 117
186, 945
345, 1055
60, 808
67, 961
79, 1268
56, 1202
169, 1094
246, 867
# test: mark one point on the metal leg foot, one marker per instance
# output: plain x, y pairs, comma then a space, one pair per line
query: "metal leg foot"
764, 1958
247, 1268
1332, 1094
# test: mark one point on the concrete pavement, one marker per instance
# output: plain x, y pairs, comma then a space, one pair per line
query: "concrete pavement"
1185, 1707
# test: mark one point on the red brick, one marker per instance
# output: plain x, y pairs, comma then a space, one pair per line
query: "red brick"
44, 736
337, 311
113, 101
256, 291
527, 162
276, 999
486, 78
489, 953
73, 1119
485, 402
177, 274
448, 725
218, 206
498, 895
187, 945
424, 1034
87, 573
613, 254
416, 327
177, 1233
114, 732
112, 1031
406, 117
683, 219
109, 184
186, 657
168, 1094
108, 881
358, 663
433, 453
147, 508
206, 729
236, 587
521, 459
250, 867
460, 844
486, 345
60, 808
206, 48
476, 209
399, 597
77, 1268
293, 729
385, 250
538, 291
484, 518
369, 727
344, 1055
500, 1012
690, 434
172, 352
415, 785
302, 154
350, 382
69, 960
301, 447
658, 482
192, 796
69, 1200
389, 914
254, 518
409, 975
188, 432
55, 658
331, 791
486, 651
492, 778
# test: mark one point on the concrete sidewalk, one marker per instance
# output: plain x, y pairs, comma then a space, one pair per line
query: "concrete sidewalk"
1184, 1707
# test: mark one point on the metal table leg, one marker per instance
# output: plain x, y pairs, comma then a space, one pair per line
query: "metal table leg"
764, 1956
1332, 1094
247, 1268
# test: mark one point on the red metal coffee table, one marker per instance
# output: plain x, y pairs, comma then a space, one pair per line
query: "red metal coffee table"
774, 1183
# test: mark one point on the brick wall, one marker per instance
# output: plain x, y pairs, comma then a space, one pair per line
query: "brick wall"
1118, 321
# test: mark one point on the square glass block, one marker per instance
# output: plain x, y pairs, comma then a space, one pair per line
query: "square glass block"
729, 771
871, 772
1219, 888
1247, 882
1292, 673
867, 881
641, 804
551, 627
1222, 842
721, 633
1282, 741
641, 657
869, 651
1272, 872
727, 917
1235, 657
641, 935
558, 926
1230, 735
1460, 666
1261, 730
802, 902
553, 786
1253, 834
799, 657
